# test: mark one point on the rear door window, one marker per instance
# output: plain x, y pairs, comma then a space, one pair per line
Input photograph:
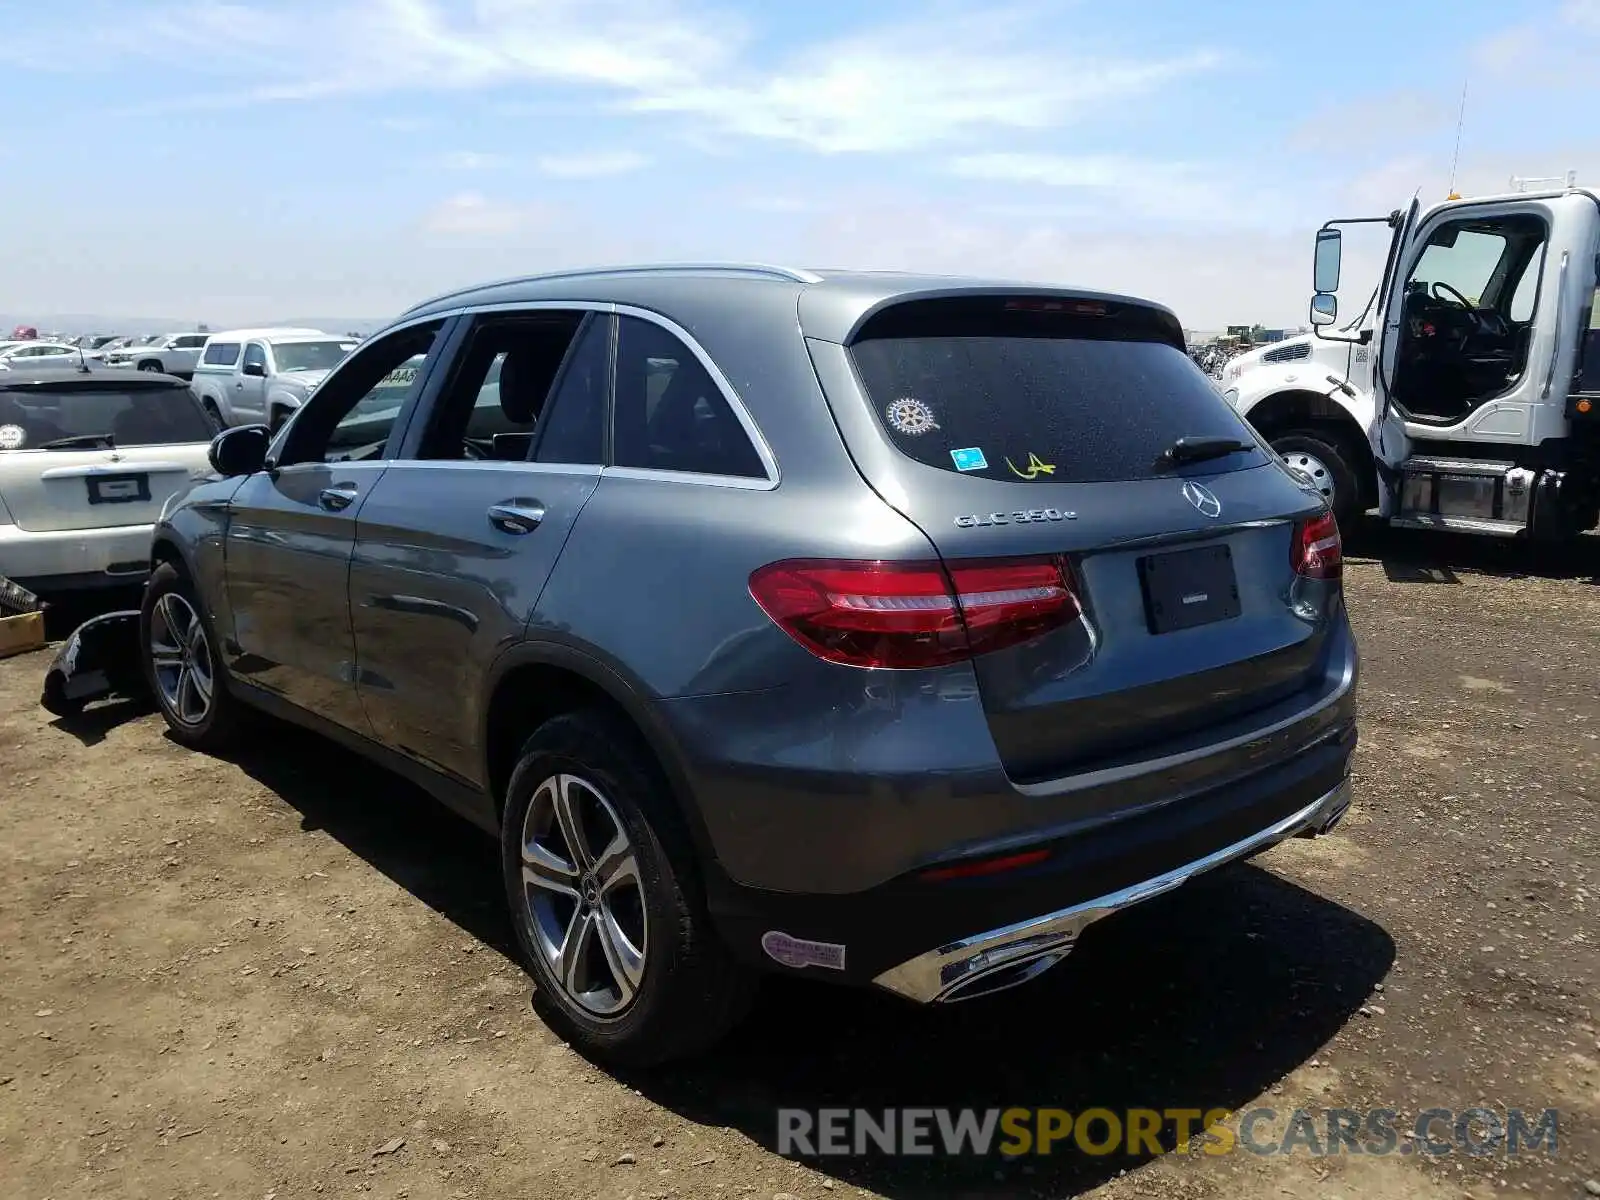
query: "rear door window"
37, 420
222, 354
1023, 395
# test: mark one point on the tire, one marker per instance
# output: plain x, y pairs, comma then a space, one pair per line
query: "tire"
215, 414
686, 991
275, 420
150, 365
1324, 461
179, 682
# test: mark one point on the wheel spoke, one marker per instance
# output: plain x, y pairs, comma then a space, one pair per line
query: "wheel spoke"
625, 962
184, 692
543, 870
165, 609
617, 865
202, 684
565, 801
165, 658
573, 949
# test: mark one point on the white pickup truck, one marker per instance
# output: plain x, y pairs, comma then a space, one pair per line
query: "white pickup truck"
260, 376
168, 354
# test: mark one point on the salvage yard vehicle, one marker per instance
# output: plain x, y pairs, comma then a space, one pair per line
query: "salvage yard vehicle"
25, 355
249, 376
883, 629
87, 459
1470, 401
167, 354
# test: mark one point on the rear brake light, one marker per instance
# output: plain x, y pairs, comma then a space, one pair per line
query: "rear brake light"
1318, 551
1078, 308
908, 615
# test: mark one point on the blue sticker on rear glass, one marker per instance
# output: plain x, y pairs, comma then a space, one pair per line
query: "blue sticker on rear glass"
970, 459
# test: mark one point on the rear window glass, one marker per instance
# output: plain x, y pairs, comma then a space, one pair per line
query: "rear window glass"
1038, 407
131, 417
222, 354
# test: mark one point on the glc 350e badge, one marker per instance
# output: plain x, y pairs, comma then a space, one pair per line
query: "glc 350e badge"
1021, 517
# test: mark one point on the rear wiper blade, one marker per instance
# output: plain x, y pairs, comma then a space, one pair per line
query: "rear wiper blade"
80, 441
1198, 449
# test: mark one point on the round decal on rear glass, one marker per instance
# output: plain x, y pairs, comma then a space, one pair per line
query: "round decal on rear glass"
12, 437
910, 416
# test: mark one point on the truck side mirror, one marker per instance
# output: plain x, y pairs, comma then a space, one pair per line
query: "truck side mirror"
1324, 309
1325, 269
255, 369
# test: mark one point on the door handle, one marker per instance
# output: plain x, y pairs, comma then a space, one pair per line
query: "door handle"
339, 496
516, 518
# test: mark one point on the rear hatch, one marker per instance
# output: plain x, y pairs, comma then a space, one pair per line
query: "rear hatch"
84, 452
1026, 427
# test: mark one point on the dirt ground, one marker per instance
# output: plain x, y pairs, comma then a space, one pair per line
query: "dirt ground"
290, 975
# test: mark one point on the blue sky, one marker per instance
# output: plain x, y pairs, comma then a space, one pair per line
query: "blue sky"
248, 160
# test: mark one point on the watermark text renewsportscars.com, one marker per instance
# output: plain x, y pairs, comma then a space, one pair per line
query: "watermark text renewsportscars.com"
1013, 1132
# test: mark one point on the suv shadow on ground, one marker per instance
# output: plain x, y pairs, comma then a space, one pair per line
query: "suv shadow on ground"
1203, 999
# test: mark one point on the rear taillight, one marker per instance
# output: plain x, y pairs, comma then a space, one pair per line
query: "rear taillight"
1318, 551
906, 615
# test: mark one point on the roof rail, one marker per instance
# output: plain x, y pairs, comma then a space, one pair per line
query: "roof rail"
762, 270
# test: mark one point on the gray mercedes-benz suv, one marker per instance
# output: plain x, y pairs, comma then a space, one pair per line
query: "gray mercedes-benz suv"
877, 628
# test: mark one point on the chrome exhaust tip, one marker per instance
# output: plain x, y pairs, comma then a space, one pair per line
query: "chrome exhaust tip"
1333, 811
1000, 979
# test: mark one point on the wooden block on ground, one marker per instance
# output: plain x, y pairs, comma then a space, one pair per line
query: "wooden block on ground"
21, 633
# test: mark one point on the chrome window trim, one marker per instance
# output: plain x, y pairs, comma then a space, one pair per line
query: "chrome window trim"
497, 464
748, 483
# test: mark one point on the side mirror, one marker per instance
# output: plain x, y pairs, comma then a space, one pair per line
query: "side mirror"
1324, 309
241, 450
257, 370
1325, 268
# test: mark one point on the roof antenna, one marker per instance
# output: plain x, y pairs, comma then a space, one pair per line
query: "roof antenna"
1455, 160
83, 363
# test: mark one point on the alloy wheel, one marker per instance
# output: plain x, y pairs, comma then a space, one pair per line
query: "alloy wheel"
584, 895
181, 658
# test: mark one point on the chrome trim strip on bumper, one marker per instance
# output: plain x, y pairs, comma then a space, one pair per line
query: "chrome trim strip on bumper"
936, 975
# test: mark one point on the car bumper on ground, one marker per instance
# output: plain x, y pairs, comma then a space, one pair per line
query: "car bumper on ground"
75, 559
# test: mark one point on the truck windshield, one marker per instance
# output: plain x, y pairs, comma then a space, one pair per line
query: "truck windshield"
310, 356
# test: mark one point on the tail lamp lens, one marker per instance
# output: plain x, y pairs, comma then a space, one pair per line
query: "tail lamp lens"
1318, 549
909, 615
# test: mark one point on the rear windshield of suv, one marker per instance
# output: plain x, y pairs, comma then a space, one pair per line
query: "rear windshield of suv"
1033, 395
146, 416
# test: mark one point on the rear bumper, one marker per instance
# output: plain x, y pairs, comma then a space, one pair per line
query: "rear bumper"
74, 559
1013, 954
934, 939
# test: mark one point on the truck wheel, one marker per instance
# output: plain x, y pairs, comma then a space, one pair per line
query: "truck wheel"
1323, 461
216, 416
605, 901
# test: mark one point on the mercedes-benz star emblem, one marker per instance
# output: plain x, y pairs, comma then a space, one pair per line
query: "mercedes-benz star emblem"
1203, 499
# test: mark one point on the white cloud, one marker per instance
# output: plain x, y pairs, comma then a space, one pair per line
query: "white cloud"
935, 80
941, 78
592, 165
472, 214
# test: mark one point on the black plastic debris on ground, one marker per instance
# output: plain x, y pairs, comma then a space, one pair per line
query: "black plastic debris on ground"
100, 661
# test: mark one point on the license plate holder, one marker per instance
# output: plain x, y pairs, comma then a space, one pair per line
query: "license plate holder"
1187, 588
130, 488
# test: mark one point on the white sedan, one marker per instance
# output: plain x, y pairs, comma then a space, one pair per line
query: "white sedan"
87, 459
39, 354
